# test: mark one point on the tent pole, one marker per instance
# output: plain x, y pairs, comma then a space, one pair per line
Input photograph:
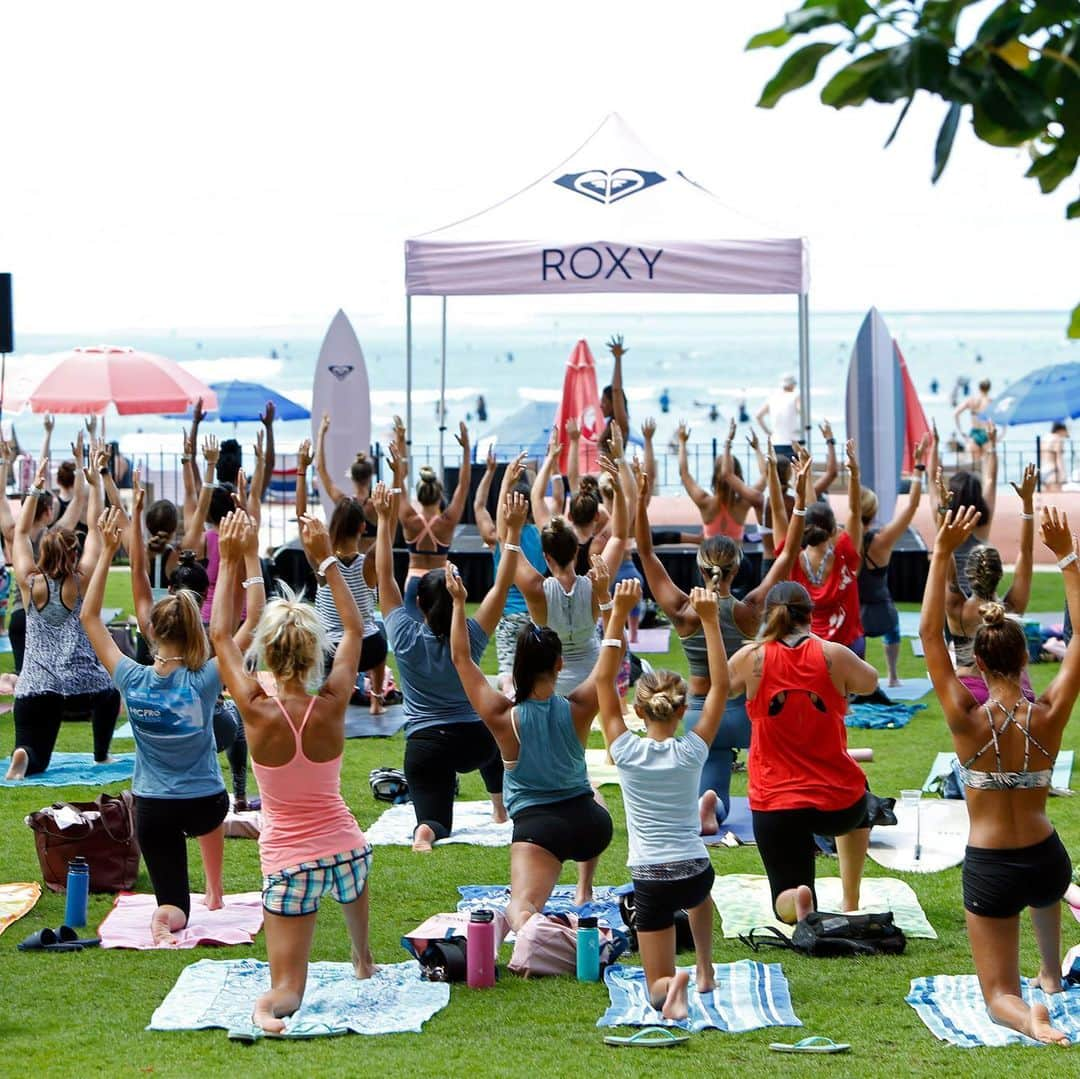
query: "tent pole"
408, 374
442, 402
804, 367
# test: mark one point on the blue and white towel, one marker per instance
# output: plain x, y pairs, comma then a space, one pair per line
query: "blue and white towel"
952, 1007
75, 770
604, 906
472, 824
222, 993
748, 995
878, 717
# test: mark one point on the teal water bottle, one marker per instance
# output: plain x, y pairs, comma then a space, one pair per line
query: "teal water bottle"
588, 950
78, 888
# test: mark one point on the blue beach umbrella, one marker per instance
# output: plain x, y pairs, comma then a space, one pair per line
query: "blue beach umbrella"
1048, 394
244, 402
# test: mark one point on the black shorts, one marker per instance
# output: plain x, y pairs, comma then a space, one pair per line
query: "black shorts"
372, 651
576, 830
1001, 882
656, 901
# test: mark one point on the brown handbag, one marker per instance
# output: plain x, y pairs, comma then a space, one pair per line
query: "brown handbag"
107, 842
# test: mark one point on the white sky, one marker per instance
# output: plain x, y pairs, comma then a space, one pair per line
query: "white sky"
245, 164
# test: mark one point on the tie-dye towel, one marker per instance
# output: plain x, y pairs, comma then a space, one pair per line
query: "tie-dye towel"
604, 906
16, 900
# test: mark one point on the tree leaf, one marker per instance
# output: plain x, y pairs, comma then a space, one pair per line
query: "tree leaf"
899, 120
1016, 54
811, 16
852, 12
851, 84
1074, 322
1053, 168
797, 70
1002, 24
1072, 211
943, 146
769, 39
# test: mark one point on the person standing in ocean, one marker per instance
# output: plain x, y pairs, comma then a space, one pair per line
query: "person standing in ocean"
979, 407
783, 409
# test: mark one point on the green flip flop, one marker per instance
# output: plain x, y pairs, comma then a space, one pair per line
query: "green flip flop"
816, 1044
649, 1038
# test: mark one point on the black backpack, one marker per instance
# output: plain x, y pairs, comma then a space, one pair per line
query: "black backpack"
825, 935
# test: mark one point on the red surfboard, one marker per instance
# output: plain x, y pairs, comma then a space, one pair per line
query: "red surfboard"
580, 401
915, 425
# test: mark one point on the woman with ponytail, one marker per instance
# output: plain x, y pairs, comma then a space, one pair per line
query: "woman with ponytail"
1007, 747
984, 571
718, 559
803, 782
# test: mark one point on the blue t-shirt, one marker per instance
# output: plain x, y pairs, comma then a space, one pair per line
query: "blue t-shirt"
429, 680
532, 549
172, 719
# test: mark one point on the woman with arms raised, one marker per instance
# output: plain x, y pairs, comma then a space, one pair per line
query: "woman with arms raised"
1007, 747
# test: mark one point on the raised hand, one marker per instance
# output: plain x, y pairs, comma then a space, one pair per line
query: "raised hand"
852, 460
304, 455
189, 443
955, 528
455, 585
517, 510
643, 486
258, 448
600, 575
919, 453
315, 538
682, 432
608, 467
399, 431
731, 430
251, 536
267, 417
573, 430
397, 463
324, 425
616, 441
383, 501
1026, 490
516, 467
648, 429
241, 494
944, 495
554, 445
111, 526
48, 422
770, 452
40, 474
197, 412
627, 597
463, 436
138, 492
77, 449
1054, 528
752, 440
616, 346
704, 602
211, 451
934, 436
490, 464
826, 430
231, 536
90, 422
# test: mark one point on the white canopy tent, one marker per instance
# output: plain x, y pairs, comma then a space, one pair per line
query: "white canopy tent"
612, 217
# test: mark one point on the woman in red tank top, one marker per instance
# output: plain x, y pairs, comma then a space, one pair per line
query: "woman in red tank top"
802, 781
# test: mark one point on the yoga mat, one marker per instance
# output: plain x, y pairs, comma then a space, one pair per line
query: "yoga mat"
16, 900
943, 763
744, 903
909, 623
123, 732
127, 925
657, 640
910, 689
943, 835
222, 993
748, 996
472, 825
738, 822
75, 769
5, 644
604, 906
880, 717
601, 773
360, 723
917, 648
953, 1009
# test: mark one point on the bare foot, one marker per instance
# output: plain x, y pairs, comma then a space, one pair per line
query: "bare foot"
676, 1006
707, 810
804, 902
363, 966
704, 979
271, 1007
19, 763
1049, 981
1041, 1029
213, 900
582, 895
377, 707
108, 760
423, 840
894, 682
498, 815
162, 924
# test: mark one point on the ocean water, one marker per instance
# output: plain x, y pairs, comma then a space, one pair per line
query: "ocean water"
701, 360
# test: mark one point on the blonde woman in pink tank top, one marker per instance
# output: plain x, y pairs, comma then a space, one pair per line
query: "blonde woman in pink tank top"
310, 845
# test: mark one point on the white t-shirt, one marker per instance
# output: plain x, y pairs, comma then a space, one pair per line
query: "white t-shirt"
660, 792
784, 417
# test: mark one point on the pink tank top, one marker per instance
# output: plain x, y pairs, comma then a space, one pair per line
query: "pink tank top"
304, 815
723, 524
213, 567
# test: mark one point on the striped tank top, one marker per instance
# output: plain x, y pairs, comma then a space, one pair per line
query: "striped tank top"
353, 573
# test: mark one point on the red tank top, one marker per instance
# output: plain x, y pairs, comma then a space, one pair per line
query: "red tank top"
836, 614
798, 757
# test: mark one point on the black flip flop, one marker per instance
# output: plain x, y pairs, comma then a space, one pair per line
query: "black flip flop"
67, 940
39, 941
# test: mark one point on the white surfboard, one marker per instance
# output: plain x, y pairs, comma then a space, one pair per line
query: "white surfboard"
341, 389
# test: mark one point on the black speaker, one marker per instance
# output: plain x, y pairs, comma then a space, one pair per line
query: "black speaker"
7, 320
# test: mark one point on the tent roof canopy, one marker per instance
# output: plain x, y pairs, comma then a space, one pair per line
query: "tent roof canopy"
612, 217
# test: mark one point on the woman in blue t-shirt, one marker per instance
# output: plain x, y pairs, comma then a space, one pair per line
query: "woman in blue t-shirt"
177, 784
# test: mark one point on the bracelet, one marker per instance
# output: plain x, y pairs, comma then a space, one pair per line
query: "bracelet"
326, 563
917, 479
1027, 516
184, 460
245, 585
513, 547
920, 468
395, 490
796, 512
1068, 560
607, 606
103, 471
611, 642
36, 492
830, 442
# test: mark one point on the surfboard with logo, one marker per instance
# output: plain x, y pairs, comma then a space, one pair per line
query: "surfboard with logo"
341, 389
875, 411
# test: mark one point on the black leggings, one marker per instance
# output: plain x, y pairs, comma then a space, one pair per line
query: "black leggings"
433, 758
162, 826
17, 634
999, 882
38, 719
785, 841
230, 739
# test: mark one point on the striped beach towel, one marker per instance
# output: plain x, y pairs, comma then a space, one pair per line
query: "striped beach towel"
748, 996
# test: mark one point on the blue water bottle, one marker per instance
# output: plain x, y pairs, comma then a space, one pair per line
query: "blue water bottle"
588, 950
78, 892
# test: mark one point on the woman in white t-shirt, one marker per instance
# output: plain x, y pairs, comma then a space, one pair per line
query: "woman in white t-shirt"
783, 410
659, 774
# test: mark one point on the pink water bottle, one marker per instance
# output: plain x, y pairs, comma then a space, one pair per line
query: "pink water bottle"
480, 950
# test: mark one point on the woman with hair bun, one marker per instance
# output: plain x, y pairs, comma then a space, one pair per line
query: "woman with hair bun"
361, 473
60, 673
803, 782
1007, 747
660, 774
428, 532
718, 560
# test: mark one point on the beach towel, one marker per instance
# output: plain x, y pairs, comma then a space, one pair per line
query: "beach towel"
127, 925
601, 773
952, 1007
878, 717
943, 835
222, 993
656, 640
910, 689
75, 770
16, 900
246, 824
744, 903
738, 823
604, 906
943, 763
360, 723
472, 824
748, 996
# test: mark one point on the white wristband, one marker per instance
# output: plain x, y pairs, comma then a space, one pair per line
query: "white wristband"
326, 563
512, 547
1068, 560
250, 581
611, 642
1027, 516
395, 490
917, 478
796, 512
607, 606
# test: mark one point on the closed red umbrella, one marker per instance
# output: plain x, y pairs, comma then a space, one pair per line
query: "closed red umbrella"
88, 380
580, 401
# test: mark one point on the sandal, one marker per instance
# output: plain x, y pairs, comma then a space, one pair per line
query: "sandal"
64, 939
816, 1044
649, 1038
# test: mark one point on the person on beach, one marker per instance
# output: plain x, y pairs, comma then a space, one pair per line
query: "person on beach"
979, 424
310, 844
60, 673
718, 560
1007, 746
784, 410
660, 775
802, 780
443, 734
1055, 473
541, 736
876, 608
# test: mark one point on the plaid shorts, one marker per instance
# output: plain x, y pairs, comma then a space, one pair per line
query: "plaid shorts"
298, 889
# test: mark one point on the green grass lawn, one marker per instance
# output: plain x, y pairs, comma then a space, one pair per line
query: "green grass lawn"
84, 1014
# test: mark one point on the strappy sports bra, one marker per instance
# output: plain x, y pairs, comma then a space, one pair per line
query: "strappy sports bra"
440, 548
976, 779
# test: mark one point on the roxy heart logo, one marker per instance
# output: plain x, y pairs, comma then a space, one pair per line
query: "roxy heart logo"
608, 187
341, 371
